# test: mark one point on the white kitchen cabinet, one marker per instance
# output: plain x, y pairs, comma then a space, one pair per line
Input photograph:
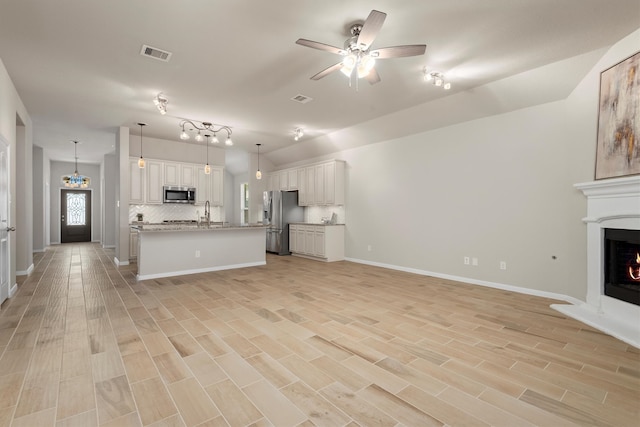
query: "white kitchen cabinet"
292, 176
133, 244
187, 175
155, 178
136, 182
302, 187
180, 174
171, 173
210, 187
321, 242
310, 186
217, 186
283, 180
318, 193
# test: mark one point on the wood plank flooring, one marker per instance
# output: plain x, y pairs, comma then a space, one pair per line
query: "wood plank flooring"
297, 343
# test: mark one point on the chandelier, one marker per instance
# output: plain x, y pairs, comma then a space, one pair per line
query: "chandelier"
204, 127
76, 180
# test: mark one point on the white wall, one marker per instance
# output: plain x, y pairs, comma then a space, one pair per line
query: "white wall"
39, 239
109, 200
58, 169
13, 110
179, 151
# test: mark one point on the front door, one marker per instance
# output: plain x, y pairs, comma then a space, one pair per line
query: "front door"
4, 220
75, 216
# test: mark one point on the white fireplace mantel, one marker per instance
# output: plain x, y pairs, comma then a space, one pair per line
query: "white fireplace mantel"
611, 203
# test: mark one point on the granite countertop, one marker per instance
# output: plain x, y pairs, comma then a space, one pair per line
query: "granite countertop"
191, 227
314, 223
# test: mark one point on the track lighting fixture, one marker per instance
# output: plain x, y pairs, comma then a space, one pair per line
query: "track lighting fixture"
75, 180
297, 134
436, 78
161, 102
141, 159
258, 173
204, 126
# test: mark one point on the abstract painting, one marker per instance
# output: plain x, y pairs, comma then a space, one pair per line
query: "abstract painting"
618, 149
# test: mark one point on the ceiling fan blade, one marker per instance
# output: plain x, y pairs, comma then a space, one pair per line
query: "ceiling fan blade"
373, 77
327, 71
321, 46
370, 28
399, 51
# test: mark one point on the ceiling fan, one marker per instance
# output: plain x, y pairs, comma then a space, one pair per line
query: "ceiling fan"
359, 59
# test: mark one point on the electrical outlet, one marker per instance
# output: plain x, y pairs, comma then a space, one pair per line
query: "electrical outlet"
466, 260
197, 253
369, 248
474, 261
503, 265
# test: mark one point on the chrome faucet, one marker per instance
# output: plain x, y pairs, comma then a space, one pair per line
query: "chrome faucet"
207, 212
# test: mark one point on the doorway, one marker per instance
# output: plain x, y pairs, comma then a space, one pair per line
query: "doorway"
4, 220
75, 216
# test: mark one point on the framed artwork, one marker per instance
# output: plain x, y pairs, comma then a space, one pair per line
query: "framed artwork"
618, 147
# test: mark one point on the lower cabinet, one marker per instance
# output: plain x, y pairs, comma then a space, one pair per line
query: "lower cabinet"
322, 242
133, 244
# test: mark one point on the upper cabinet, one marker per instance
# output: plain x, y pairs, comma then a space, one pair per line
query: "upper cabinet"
320, 184
145, 185
210, 187
136, 182
155, 174
179, 174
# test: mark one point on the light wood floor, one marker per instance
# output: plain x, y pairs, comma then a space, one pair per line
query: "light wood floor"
297, 343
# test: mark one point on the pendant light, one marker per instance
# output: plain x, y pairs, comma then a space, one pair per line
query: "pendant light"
258, 173
207, 168
141, 159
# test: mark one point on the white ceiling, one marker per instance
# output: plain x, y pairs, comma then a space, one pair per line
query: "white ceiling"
77, 66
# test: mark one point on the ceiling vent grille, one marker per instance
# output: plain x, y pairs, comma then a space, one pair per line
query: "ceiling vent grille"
155, 53
302, 99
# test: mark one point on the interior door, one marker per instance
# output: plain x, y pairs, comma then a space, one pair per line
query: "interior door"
75, 216
4, 220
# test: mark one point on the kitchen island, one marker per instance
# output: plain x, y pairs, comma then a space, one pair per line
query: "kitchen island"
174, 250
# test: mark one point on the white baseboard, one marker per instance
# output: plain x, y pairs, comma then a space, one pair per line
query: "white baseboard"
39, 250
198, 270
108, 246
25, 272
13, 289
119, 263
502, 286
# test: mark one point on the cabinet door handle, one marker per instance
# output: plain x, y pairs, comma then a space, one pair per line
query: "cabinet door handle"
11, 229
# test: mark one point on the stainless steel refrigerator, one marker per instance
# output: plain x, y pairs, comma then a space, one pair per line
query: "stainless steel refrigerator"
280, 209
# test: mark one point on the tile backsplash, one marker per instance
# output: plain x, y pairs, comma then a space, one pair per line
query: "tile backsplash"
316, 213
168, 211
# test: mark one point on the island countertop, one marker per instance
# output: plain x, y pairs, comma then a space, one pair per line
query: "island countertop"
155, 227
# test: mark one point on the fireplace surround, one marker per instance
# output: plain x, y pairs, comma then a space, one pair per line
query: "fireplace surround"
612, 204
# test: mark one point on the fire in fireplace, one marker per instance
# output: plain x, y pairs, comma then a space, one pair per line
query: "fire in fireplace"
622, 264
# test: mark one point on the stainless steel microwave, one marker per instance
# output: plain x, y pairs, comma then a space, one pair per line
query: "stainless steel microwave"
172, 194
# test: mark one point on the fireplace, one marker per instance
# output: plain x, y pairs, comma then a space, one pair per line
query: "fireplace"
622, 264
613, 227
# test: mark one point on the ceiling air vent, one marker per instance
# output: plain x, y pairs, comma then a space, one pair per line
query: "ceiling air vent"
302, 99
155, 53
